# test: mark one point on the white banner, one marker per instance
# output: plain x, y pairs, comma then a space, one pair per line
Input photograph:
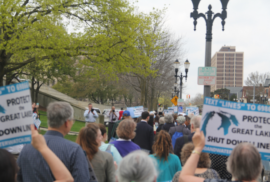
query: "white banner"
168, 111
174, 108
226, 124
15, 115
135, 112
194, 110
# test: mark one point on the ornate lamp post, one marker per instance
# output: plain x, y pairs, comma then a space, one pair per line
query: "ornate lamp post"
176, 66
209, 20
264, 98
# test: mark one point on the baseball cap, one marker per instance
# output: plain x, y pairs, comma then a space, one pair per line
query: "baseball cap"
126, 113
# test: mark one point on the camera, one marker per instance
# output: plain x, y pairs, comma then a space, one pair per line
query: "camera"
92, 110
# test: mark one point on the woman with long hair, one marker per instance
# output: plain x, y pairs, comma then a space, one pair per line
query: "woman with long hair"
90, 139
168, 163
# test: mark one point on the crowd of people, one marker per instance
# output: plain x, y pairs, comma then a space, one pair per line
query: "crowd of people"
134, 152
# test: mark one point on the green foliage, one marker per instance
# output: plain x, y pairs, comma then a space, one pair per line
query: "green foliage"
108, 39
233, 97
223, 93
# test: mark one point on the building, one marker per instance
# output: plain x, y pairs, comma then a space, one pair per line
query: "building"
230, 66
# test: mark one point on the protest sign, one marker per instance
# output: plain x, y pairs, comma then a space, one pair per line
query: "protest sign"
15, 115
194, 110
226, 124
174, 108
168, 111
36, 120
135, 112
180, 109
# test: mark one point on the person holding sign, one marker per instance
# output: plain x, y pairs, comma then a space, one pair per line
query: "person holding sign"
90, 115
32, 165
9, 167
244, 162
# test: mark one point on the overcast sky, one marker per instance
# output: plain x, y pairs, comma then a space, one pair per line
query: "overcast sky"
247, 27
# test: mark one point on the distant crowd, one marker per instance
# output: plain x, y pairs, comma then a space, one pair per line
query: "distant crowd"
152, 148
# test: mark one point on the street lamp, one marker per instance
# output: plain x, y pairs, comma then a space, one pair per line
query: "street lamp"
209, 19
176, 66
176, 89
264, 98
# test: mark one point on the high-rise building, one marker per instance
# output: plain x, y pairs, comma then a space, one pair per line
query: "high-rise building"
230, 68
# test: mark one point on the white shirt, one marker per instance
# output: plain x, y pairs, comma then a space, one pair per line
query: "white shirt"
90, 117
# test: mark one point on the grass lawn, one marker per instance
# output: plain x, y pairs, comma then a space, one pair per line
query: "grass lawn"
76, 126
68, 137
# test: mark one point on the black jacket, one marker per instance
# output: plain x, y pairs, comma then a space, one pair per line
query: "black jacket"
180, 142
144, 136
167, 126
159, 127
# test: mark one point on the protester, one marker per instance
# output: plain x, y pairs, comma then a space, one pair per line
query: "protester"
151, 121
35, 108
219, 164
32, 166
90, 115
203, 168
121, 113
144, 133
125, 132
90, 139
167, 163
156, 121
126, 115
138, 167
175, 117
244, 163
9, 168
180, 127
59, 170
138, 120
180, 142
168, 122
188, 118
108, 147
161, 123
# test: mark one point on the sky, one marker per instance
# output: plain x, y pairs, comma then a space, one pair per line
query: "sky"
247, 27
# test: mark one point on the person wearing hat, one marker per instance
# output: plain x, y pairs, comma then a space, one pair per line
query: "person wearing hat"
126, 115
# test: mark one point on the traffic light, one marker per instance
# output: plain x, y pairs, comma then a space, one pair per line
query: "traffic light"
188, 96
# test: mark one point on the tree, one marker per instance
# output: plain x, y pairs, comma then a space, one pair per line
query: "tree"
256, 78
39, 29
166, 49
197, 100
223, 93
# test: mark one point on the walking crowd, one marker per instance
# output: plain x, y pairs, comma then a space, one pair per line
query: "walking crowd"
135, 152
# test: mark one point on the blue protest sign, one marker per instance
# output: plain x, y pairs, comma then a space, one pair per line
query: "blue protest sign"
15, 115
135, 112
226, 124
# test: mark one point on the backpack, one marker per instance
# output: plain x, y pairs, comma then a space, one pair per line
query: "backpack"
175, 136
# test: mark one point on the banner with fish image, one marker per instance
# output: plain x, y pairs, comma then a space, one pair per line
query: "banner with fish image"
226, 124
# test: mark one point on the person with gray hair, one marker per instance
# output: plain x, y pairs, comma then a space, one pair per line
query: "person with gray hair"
180, 127
32, 165
161, 123
168, 122
244, 163
137, 167
180, 142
